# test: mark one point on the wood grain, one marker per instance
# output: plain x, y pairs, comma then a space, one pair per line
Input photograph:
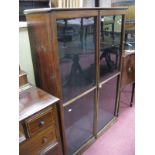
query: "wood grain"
42, 29
28, 100
128, 69
38, 142
40, 121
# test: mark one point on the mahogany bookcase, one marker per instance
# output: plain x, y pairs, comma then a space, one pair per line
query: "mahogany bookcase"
76, 55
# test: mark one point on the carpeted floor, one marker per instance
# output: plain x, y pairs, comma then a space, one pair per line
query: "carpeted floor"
120, 138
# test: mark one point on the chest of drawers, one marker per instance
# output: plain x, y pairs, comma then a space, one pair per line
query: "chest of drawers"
38, 123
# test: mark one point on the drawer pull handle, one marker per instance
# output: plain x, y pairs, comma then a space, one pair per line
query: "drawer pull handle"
41, 123
44, 140
129, 69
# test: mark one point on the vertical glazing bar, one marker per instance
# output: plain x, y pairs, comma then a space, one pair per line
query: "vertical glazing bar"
96, 109
132, 94
117, 96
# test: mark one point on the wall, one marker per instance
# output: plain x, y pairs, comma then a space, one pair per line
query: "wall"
88, 3
25, 60
105, 3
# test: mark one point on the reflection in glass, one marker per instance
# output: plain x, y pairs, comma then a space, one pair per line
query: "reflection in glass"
129, 40
110, 45
107, 98
76, 40
79, 122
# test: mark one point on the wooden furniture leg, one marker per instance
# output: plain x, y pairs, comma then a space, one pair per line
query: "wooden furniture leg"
132, 95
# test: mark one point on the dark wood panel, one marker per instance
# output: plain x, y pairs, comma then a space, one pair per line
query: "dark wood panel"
38, 142
52, 150
128, 69
42, 48
75, 14
43, 35
28, 99
51, 10
40, 121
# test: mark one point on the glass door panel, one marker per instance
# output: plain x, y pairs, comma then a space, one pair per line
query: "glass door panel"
79, 122
76, 41
110, 39
107, 98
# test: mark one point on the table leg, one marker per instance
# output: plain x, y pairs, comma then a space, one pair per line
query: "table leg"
132, 95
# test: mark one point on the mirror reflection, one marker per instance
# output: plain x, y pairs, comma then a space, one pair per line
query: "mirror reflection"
79, 122
76, 41
110, 38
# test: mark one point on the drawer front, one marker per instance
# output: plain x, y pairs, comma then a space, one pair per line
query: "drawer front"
128, 69
40, 121
39, 142
52, 150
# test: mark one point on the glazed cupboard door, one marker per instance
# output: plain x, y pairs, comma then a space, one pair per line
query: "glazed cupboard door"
110, 45
77, 48
109, 67
77, 45
75, 52
107, 101
79, 122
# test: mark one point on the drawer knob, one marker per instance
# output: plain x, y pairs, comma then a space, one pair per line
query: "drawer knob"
44, 140
41, 123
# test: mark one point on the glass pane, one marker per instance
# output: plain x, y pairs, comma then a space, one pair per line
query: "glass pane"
79, 122
129, 40
110, 45
76, 40
107, 100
